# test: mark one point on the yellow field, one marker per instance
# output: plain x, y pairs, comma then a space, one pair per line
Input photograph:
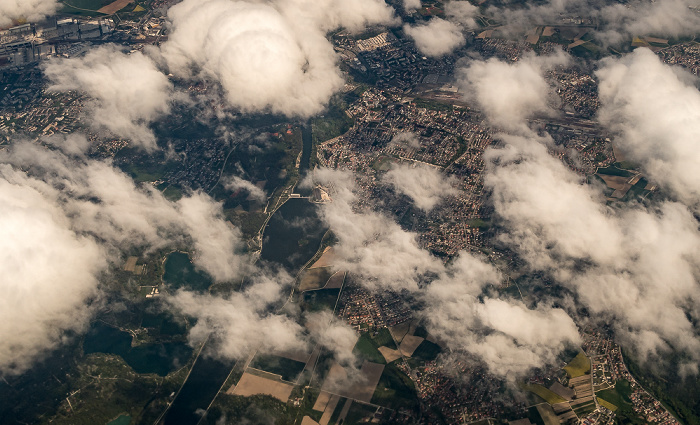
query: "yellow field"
549, 396
579, 366
606, 404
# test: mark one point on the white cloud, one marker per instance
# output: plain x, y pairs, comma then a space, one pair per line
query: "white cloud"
411, 5
407, 138
105, 202
424, 184
129, 92
667, 18
509, 93
267, 56
241, 322
462, 13
49, 273
70, 144
370, 244
436, 38
508, 337
236, 183
632, 268
653, 110
67, 219
29, 10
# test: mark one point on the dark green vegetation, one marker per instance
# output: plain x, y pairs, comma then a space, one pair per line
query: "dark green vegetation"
121, 420
257, 409
620, 397
80, 7
678, 394
158, 358
578, 366
612, 170
101, 387
383, 338
367, 349
432, 104
359, 413
181, 273
395, 390
288, 369
314, 278
331, 124
426, 352
534, 416
545, 394
584, 409
322, 299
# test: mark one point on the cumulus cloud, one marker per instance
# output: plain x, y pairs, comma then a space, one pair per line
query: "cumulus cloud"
49, 273
437, 37
411, 5
236, 183
71, 144
424, 184
617, 261
29, 10
406, 138
66, 220
617, 23
335, 336
509, 93
267, 56
370, 244
242, 322
668, 18
129, 92
634, 269
508, 337
104, 202
653, 109
454, 300
462, 13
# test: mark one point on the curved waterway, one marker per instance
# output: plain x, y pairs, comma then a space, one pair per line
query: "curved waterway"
292, 236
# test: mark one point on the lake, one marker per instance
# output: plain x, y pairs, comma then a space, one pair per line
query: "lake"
293, 234
161, 358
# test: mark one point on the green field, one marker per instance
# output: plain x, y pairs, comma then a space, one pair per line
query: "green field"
383, 337
579, 366
288, 369
395, 389
547, 395
87, 4
585, 409
426, 351
606, 404
367, 349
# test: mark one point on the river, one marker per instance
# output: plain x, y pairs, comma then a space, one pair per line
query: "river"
292, 236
